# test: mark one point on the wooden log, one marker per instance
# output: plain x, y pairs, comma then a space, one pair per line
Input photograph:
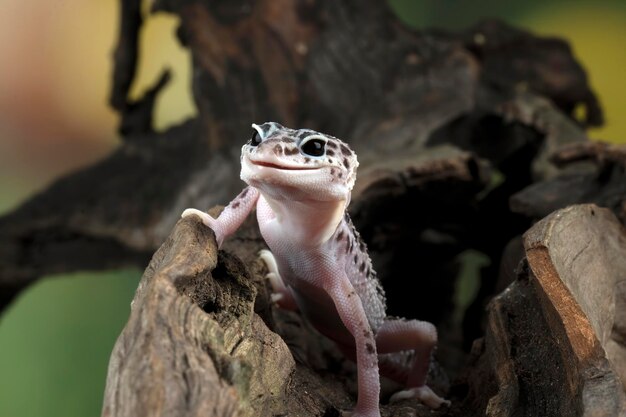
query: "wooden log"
348, 68
591, 172
193, 345
193, 303
578, 257
446, 127
554, 343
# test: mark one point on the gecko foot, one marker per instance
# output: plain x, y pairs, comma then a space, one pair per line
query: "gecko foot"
205, 217
275, 297
424, 394
281, 294
208, 221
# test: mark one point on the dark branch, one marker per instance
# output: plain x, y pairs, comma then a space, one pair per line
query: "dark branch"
126, 52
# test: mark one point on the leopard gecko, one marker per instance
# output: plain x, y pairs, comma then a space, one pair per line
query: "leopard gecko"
300, 182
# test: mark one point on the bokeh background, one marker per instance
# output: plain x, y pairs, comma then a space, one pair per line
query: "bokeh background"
55, 67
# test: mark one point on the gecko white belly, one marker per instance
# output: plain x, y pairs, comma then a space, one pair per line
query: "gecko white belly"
309, 269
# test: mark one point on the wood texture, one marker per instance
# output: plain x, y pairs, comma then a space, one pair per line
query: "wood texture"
465, 139
552, 345
577, 256
348, 68
192, 345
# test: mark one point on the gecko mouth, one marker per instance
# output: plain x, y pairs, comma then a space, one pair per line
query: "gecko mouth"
281, 167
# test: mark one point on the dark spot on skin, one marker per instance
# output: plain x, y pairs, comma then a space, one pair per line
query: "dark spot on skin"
243, 193
331, 144
370, 348
291, 151
362, 267
340, 235
307, 160
366, 333
351, 245
332, 171
330, 160
340, 175
351, 293
278, 149
345, 150
346, 163
330, 152
236, 204
356, 258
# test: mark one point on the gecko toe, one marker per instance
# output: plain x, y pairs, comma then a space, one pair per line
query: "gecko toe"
424, 394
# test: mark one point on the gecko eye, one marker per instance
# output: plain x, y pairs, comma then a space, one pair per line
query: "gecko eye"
255, 140
313, 147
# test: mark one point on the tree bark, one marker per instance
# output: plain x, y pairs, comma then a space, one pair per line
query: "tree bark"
348, 68
449, 128
553, 343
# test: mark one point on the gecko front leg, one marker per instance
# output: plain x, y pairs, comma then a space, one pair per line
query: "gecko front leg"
350, 310
231, 218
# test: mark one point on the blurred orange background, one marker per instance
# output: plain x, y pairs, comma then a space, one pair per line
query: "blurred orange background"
55, 68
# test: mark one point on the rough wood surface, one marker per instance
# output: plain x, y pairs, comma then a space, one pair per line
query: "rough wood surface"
349, 68
553, 343
553, 346
464, 140
192, 345
590, 173
578, 257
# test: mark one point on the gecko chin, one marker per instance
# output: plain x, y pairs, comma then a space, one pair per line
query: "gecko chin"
295, 184
279, 167
271, 171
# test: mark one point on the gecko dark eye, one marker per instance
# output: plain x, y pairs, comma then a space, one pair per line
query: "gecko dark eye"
255, 140
313, 147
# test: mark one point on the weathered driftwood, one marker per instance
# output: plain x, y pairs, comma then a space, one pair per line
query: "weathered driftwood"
591, 173
193, 345
554, 342
349, 68
448, 127
193, 326
577, 257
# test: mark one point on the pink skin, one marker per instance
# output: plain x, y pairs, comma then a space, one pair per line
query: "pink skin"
318, 263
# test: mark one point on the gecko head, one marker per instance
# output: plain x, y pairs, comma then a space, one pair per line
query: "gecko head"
300, 164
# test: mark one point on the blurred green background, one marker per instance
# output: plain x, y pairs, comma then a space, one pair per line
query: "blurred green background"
55, 339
